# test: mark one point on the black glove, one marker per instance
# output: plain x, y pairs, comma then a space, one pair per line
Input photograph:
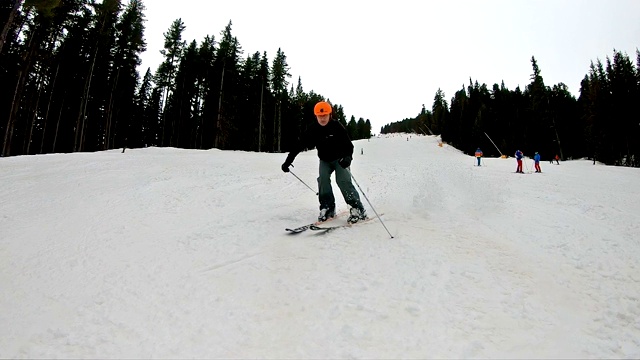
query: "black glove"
285, 167
345, 162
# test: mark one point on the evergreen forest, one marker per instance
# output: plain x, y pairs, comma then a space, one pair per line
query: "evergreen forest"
603, 123
70, 82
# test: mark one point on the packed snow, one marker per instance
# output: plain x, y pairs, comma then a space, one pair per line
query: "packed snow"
170, 253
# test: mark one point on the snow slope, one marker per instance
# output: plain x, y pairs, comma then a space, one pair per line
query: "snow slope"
168, 253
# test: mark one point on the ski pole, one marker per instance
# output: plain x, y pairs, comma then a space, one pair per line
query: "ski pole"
525, 165
365, 196
305, 184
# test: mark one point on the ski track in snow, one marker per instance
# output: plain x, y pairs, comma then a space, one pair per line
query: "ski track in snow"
178, 253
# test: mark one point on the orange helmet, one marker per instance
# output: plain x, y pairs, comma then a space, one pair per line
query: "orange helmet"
322, 108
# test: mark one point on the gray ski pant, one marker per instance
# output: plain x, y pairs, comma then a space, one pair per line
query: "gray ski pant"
343, 179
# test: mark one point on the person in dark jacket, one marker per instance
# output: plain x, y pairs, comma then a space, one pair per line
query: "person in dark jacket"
335, 152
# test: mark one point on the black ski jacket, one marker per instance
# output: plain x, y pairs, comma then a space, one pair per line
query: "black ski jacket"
331, 141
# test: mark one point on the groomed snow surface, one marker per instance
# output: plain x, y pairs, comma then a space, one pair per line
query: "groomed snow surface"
169, 253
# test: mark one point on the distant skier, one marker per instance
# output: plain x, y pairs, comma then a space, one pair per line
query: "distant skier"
335, 152
519, 155
479, 155
557, 159
536, 159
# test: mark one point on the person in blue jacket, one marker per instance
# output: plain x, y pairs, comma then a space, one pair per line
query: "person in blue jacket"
536, 159
519, 155
478, 155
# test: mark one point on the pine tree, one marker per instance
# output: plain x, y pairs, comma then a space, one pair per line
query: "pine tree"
249, 108
280, 74
265, 98
4, 32
596, 112
226, 68
125, 78
208, 93
363, 130
165, 75
91, 115
352, 128
140, 125
299, 100
338, 114
565, 123
440, 111
20, 124
71, 62
183, 99
622, 77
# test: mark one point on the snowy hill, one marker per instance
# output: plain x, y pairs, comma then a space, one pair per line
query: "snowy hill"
168, 253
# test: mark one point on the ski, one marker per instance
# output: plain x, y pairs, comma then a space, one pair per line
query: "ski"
303, 228
299, 229
326, 229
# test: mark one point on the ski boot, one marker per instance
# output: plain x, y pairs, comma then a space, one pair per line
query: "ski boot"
326, 214
356, 214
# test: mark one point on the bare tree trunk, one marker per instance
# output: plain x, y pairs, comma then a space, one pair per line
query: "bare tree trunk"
179, 101
260, 120
17, 94
217, 140
8, 134
55, 136
196, 111
81, 123
41, 76
110, 110
557, 138
164, 115
35, 114
46, 115
164, 104
5, 29
274, 142
79, 120
279, 125
114, 132
201, 130
164, 119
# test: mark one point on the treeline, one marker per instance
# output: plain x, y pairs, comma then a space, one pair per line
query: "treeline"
603, 123
69, 83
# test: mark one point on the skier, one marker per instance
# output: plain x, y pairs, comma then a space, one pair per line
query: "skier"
335, 152
536, 159
519, 156
479, 155
557, 159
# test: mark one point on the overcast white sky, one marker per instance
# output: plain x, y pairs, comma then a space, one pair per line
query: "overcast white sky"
382, 61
